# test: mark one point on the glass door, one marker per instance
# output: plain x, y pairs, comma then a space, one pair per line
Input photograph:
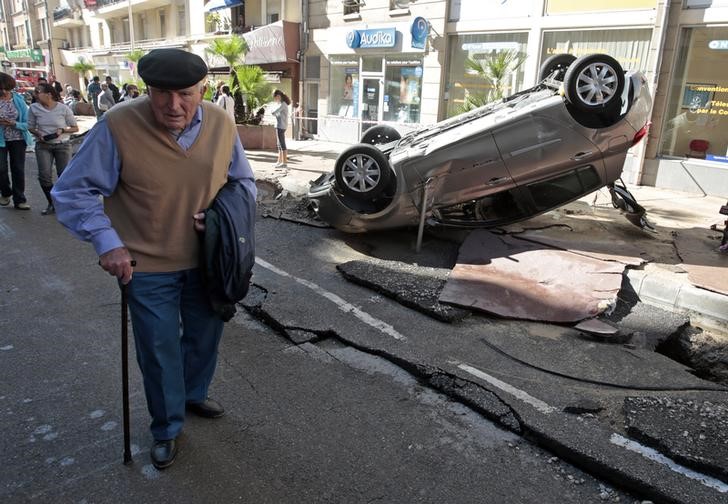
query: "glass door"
371, 102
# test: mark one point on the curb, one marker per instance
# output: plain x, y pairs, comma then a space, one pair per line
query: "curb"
665, 292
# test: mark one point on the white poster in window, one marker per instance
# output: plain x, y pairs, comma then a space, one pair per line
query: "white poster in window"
468, 10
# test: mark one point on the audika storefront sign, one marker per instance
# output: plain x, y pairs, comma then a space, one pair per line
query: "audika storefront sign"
372, 39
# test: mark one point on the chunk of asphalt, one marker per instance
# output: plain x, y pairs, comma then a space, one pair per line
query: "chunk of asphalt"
417, 287
583, 406
692, 432
477, 397
300, 336
649, 326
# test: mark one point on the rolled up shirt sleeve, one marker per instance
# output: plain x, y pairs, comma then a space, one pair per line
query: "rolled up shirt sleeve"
93, 172
240, 168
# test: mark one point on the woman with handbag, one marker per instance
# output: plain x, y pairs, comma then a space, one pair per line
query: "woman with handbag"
13, 141
52, 123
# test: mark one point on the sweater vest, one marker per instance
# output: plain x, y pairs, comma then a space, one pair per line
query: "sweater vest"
161, 186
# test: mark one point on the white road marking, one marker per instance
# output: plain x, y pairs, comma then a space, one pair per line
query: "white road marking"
510, 389
343, 305
658, 457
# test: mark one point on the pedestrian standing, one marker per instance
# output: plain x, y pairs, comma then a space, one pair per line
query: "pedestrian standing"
151, 214
13, 141
106, 98
114, 90
281, 114
227, 102
52, 123
56, 85
93, 91
218, 91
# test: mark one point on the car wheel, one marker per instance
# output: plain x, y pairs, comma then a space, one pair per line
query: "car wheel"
594, 83
556, 65
362, 172
380, 135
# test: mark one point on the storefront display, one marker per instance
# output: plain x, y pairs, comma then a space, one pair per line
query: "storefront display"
374, 88
629, 46
482, 47
696, 118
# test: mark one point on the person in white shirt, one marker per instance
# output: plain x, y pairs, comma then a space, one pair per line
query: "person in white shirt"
226, 101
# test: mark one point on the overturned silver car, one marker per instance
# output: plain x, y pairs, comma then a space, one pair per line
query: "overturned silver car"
501, 163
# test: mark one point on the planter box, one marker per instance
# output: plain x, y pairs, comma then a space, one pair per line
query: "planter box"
257, 137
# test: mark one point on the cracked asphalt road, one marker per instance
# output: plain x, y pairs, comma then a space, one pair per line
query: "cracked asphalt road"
315, 421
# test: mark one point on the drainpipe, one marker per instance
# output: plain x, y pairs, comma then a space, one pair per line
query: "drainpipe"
655, 82
302, 47
131, 27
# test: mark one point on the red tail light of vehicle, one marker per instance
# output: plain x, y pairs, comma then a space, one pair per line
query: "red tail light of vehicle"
641, 133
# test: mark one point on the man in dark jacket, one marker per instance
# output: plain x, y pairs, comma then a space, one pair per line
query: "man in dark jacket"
114, 90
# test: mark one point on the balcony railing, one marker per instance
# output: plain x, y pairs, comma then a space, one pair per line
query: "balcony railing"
62, 13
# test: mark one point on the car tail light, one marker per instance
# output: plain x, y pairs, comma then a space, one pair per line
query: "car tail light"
641, 133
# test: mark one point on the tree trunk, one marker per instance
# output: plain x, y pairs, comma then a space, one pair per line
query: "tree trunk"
240, 112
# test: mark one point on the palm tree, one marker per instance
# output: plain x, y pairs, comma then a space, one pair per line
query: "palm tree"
495, 70
134, 57
82, 67
252, 86
233, 50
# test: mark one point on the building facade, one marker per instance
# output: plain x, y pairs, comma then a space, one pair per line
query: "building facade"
681, 47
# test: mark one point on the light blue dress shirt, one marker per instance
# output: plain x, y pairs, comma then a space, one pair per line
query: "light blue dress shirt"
94, 171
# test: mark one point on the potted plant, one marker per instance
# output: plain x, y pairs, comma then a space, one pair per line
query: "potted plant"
233, 50
495, 70
248, 81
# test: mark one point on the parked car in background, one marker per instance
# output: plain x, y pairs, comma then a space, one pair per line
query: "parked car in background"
501, 163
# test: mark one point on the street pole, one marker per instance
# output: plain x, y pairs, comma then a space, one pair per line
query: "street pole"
131, 26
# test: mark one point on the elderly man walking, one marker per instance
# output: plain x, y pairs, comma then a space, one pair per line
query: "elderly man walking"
158, 161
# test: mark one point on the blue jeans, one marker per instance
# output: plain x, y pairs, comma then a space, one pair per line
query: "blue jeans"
176, 334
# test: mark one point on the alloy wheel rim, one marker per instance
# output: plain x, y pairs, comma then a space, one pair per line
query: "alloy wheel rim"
361, 173
596, 84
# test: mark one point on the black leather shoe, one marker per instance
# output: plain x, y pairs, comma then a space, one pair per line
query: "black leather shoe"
163, 453
206, 409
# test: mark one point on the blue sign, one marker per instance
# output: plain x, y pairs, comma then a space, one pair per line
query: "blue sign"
712, 157
370, 39
420, 30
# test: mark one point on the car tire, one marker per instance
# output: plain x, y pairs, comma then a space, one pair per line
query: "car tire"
587, 96
558, 63
380, 134
362, 172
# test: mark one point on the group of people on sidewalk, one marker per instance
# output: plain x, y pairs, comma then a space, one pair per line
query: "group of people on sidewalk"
47, 125
104, 95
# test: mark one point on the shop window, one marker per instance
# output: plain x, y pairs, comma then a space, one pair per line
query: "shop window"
696, 117
403, 89
313, 67
272, 11
629, 47
351, 6
467, 88
344, 86
371, 64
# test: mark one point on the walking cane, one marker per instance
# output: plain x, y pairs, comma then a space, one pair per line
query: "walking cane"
125, 370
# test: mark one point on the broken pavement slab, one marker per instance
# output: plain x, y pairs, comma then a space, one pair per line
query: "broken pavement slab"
567, 355
692, 432
706, 267
414, 286
518, 279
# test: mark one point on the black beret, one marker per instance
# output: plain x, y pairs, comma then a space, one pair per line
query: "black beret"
171, 69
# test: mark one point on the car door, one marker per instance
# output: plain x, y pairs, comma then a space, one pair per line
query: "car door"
467, 169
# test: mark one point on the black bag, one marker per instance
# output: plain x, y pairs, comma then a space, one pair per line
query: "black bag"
228, 248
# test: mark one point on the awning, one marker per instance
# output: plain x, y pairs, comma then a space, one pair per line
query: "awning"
273, 43
214, 5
